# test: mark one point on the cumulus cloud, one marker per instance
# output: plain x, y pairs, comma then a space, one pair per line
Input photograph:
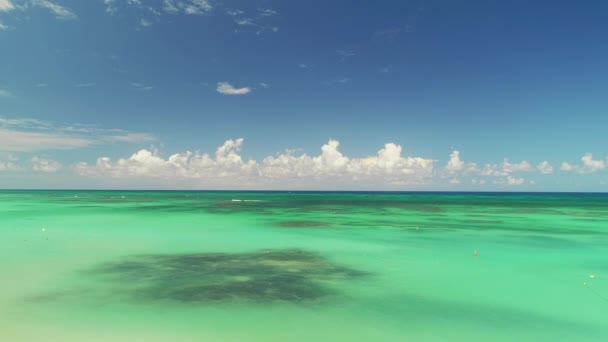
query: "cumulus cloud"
227, 169
456, 168
515, 181
566, 167
45, 165
6, 5
227, 89
545, 168
589, 165
60, 12
455, 164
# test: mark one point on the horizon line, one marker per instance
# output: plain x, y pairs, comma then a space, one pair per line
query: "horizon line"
321, 191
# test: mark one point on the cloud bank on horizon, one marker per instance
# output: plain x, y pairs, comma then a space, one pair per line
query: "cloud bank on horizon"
388, 169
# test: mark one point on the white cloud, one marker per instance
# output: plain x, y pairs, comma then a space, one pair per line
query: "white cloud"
27, 135
9, 166
60, 12
545, 168
339, 81
6, 5
6, 94
45, 165
131, 138
589, 165
566, 167
143, 22
267, 12
187, 6
235, 12
505, 168
3, 27
510, 180
387, 35
228, 170
140, 86
170, 7
456, 167
345, 54
227, 89
455, 164
245, 22
515, 181
110, 8
264, 85
33, 141
198, 7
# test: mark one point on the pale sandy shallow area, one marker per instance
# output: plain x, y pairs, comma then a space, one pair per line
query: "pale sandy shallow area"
186, 266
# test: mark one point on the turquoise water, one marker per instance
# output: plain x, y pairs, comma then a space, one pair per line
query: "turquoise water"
277, 266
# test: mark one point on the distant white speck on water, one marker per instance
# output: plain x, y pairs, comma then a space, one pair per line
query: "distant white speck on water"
592, 276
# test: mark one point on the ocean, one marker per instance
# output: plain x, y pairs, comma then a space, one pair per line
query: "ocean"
302, 266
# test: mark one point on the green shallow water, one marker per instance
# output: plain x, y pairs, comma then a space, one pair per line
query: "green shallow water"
252, 266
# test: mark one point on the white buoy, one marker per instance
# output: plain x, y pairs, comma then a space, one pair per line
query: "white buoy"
592, 276
43, 230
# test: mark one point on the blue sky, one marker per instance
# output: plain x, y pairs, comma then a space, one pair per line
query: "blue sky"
420, 95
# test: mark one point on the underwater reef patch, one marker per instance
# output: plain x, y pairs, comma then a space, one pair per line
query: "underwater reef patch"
285, 275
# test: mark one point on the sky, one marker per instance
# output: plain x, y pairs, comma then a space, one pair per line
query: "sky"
304, 95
